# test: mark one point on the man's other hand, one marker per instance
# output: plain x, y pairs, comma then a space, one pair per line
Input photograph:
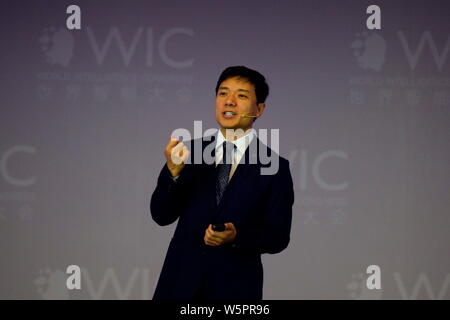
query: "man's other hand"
217, 238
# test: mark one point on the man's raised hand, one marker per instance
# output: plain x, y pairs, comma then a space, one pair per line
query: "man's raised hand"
176, 154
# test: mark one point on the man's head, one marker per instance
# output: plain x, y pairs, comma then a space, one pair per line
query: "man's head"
240, 92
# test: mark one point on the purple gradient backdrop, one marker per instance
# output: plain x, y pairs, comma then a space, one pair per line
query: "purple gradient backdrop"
95, 145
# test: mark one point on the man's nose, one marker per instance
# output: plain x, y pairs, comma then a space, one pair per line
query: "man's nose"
231, 101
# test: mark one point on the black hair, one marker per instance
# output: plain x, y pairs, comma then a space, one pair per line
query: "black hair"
252, 76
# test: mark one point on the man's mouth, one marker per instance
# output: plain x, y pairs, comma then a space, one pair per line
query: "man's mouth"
229, 114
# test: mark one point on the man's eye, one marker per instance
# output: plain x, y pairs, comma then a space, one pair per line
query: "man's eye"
242, 96
222, 93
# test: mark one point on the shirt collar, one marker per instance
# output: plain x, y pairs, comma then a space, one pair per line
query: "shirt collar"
241, 143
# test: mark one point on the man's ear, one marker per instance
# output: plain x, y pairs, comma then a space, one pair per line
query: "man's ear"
260, 107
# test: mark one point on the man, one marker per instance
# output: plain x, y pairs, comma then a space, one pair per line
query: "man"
255, 208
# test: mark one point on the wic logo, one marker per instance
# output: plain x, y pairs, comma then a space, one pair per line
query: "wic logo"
370, 50
58, 45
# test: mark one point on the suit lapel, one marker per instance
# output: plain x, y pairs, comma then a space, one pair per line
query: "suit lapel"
210, 172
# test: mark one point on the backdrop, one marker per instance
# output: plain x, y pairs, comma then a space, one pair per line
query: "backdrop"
363, 116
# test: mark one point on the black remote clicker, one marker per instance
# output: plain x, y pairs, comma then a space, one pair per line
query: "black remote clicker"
218, 227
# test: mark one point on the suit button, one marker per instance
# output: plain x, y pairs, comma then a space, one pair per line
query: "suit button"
203, 252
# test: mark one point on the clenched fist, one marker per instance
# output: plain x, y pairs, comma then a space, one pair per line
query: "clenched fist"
176, 154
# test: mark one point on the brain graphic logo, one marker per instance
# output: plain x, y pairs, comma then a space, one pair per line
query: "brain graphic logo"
369, 50
57, 46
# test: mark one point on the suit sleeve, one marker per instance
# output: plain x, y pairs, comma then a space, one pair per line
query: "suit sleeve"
170, 196
272, 235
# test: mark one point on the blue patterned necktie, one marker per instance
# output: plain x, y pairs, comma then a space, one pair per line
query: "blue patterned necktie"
223, 169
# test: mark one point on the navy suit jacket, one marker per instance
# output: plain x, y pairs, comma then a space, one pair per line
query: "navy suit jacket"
260, 207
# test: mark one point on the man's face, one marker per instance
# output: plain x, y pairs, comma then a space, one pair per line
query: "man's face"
236, 97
